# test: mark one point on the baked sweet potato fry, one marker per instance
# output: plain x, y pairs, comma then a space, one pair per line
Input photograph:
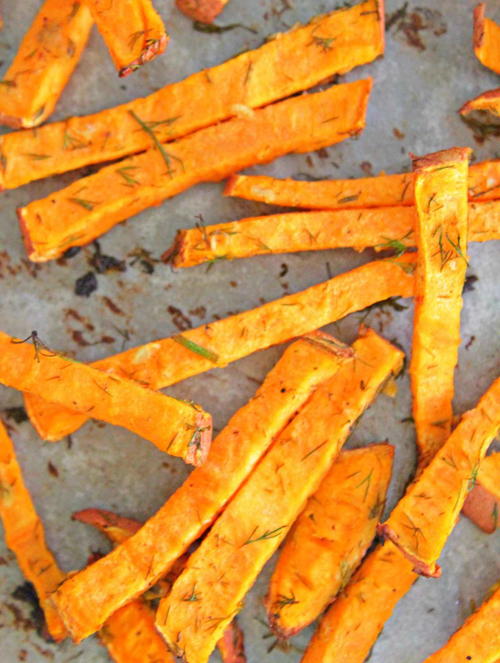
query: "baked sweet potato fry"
379, 191
91, 206
477, 640
253, 79
24, 535
486, 39
46, 58
164, 362
441, 236
482, 504
221, 571
205, 11
132, 30
423, 519
384, 228
87, 599
329, 538
482, 114
174, 426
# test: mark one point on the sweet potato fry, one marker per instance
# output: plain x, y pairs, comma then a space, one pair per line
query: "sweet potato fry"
88, 598
482, 504
441, 235
205, 11
231, 645
380, 191
164, 362
47, 56
383, 228
486, 39
250, 529
329, 538
117, 528
174, 426
132, 29
24, 535
253, 79
482, 114
91, 206
423, 519
477, 640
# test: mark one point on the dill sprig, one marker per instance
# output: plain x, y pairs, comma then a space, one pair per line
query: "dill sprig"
35, 156
325, 43
167, 157
72, 143
268, 534
366, 483
125, 173
282, 601
197, 349
86, 204
397, 245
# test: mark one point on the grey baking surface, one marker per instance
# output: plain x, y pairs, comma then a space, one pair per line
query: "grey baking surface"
417, 92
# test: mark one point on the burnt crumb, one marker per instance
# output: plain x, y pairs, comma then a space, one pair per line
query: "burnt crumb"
309, 161
469, 283
71, 313
144, 259
306, 177
398, 134
86, 285
483, 124
16, 414
180, 320
103, 263
470, 342
71, 252
233, 284
107, 339
322, 153
199, 312
283, 270
78, 338
26, 593
367, 168
22, 655
109, 303
53, 471
409, 24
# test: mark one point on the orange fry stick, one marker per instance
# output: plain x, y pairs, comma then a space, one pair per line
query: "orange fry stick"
174, 426
167, 361
133, 31
88, 598
24, 535
380, 191
329, 538
47, 56
275, 70
91, 206
381, 227
424, 518
482, 504
482, 114
486, 39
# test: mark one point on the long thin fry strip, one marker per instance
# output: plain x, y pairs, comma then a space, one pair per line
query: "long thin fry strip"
424, 518
174, 426
88, 598
167, 361
329, 539
441, 236
380, 191
482, 504
486, 39
351, 625
253, 79
384, 228
477, 640
91, 206
24, 535
205, 11
46, 58
132, 29
222, 570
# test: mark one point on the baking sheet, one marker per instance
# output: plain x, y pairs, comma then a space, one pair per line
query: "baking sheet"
428, 71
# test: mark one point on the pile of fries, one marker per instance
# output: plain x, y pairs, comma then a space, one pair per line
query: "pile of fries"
174, 585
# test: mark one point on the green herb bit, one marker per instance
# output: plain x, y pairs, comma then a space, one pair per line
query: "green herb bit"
191, 597
72, 143
366, 483
8, 83
349, 199
473, 478
325, 43
158, 123
407, 267
415, 530
197, 349
282, 601
35, 156
268, 534
211, 28
167, 157
397, 245
124, 172
135, 36
377, 508
86, 204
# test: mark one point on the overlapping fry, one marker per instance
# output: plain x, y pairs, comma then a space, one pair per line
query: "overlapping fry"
486, 39
482, 504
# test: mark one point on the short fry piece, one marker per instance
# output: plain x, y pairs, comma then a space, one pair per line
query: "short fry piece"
231, 646
275, 70
441, 236
424, 518
132, 29
47, 56
24, 535
117, 528
165, 362
384, 228
482, 114
482, 504
329, 538
205, 11
87, 599
257, 519
477, 640
486, 39
91, 206
176, 427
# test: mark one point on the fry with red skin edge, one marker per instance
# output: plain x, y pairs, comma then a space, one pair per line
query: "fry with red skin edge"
329, 538
117, 528
488, 103
486, 39
87, 599
274, 71
174, 426
91, 206
250, 529
205, 11
379, 191
482, 504
24, 535
164, 362
441, 231
384, 228
424, 518
231, 646
132, 30
477, 640
45, 60
482, 114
